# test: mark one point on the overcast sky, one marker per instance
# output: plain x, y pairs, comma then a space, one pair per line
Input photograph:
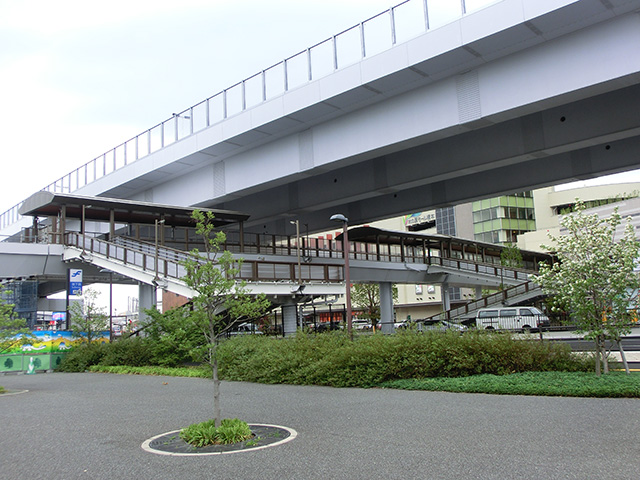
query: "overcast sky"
79, 77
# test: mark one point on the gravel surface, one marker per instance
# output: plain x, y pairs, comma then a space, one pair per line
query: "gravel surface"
77, 426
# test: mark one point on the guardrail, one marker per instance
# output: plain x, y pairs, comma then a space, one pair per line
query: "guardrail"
500, 297
168, 263
370, 37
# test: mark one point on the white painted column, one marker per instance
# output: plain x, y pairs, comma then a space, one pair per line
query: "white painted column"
146, 299
386, 307
446, 298
289, 319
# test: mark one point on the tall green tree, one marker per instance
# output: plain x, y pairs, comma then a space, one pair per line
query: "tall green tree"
221, 301
366, 297
13, 330
595, 277
88, 319
511, 256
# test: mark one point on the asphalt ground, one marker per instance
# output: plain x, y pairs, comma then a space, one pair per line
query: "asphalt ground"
91, 426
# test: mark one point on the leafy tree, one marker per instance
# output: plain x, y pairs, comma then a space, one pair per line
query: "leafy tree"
366, 297
510, 256
221, 301
594, 278
88, 320
13, 330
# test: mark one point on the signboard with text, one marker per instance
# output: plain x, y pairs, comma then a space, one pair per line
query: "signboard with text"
75, 281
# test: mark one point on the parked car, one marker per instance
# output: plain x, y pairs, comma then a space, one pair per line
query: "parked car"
245, 328
523, 319
442, 325
361, 324
326, 326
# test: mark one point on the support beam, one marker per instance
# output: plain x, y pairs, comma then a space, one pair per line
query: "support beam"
386, 307
289, 321
146, 300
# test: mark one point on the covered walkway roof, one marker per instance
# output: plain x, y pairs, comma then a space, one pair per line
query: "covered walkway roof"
47, 204
392, 237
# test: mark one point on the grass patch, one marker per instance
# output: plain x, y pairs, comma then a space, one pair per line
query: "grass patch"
566, 384
2, 390
206, 433
200, 372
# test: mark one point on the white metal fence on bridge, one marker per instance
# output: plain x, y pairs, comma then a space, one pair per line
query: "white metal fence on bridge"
369, 37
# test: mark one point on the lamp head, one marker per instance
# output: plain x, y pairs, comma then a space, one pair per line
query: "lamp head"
338, 217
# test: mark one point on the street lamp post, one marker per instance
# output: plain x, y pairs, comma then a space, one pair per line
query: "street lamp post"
158, 222
297, 224
345, 251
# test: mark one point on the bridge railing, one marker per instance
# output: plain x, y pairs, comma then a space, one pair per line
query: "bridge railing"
370, 37
501, 297
169, 263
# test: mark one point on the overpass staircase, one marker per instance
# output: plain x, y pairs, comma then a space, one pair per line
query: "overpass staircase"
164, 268
515, 295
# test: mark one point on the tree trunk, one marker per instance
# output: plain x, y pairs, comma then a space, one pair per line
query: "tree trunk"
598, 365
216, 389
623, 357
605, 355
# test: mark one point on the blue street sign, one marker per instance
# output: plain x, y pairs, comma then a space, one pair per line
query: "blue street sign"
75, 281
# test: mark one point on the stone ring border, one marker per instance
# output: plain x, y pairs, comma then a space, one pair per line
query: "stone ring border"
147, 447
8, 393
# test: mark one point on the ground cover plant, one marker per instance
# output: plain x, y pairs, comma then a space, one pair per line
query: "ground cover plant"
231, 430
566, 384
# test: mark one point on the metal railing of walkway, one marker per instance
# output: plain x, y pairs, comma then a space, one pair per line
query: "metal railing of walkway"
365, 39
168, 263
508, 296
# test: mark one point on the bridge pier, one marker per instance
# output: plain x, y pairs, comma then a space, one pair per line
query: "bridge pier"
289, 318
146, 300
386, 307
446, 297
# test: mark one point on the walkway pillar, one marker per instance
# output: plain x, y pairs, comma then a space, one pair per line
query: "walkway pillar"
478, 293
446, 297
386, 307
289, 319
146, 300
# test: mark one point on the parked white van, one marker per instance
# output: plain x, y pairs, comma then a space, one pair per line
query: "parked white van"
522, 319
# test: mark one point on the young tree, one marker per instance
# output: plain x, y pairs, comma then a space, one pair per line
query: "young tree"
88, 320
594, 278
221, 301
511, 256
366, 296
13, 330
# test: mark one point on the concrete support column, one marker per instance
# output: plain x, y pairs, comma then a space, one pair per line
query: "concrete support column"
446, 298
289, 319
386, 307
478, 293
146, 299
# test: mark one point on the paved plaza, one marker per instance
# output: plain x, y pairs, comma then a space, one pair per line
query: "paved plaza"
91, 426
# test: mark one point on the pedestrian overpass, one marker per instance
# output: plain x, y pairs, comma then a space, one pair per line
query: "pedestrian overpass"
503, 96
148, 244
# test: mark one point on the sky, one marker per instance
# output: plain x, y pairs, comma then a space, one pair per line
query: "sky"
79, 77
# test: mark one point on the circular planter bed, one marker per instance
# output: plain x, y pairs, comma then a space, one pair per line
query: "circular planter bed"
264, 436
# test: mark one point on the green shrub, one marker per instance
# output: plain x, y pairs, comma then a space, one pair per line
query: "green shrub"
133, 352
206, 433
332, 359
82, 357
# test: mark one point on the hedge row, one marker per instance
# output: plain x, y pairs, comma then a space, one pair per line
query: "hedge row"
334, 360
